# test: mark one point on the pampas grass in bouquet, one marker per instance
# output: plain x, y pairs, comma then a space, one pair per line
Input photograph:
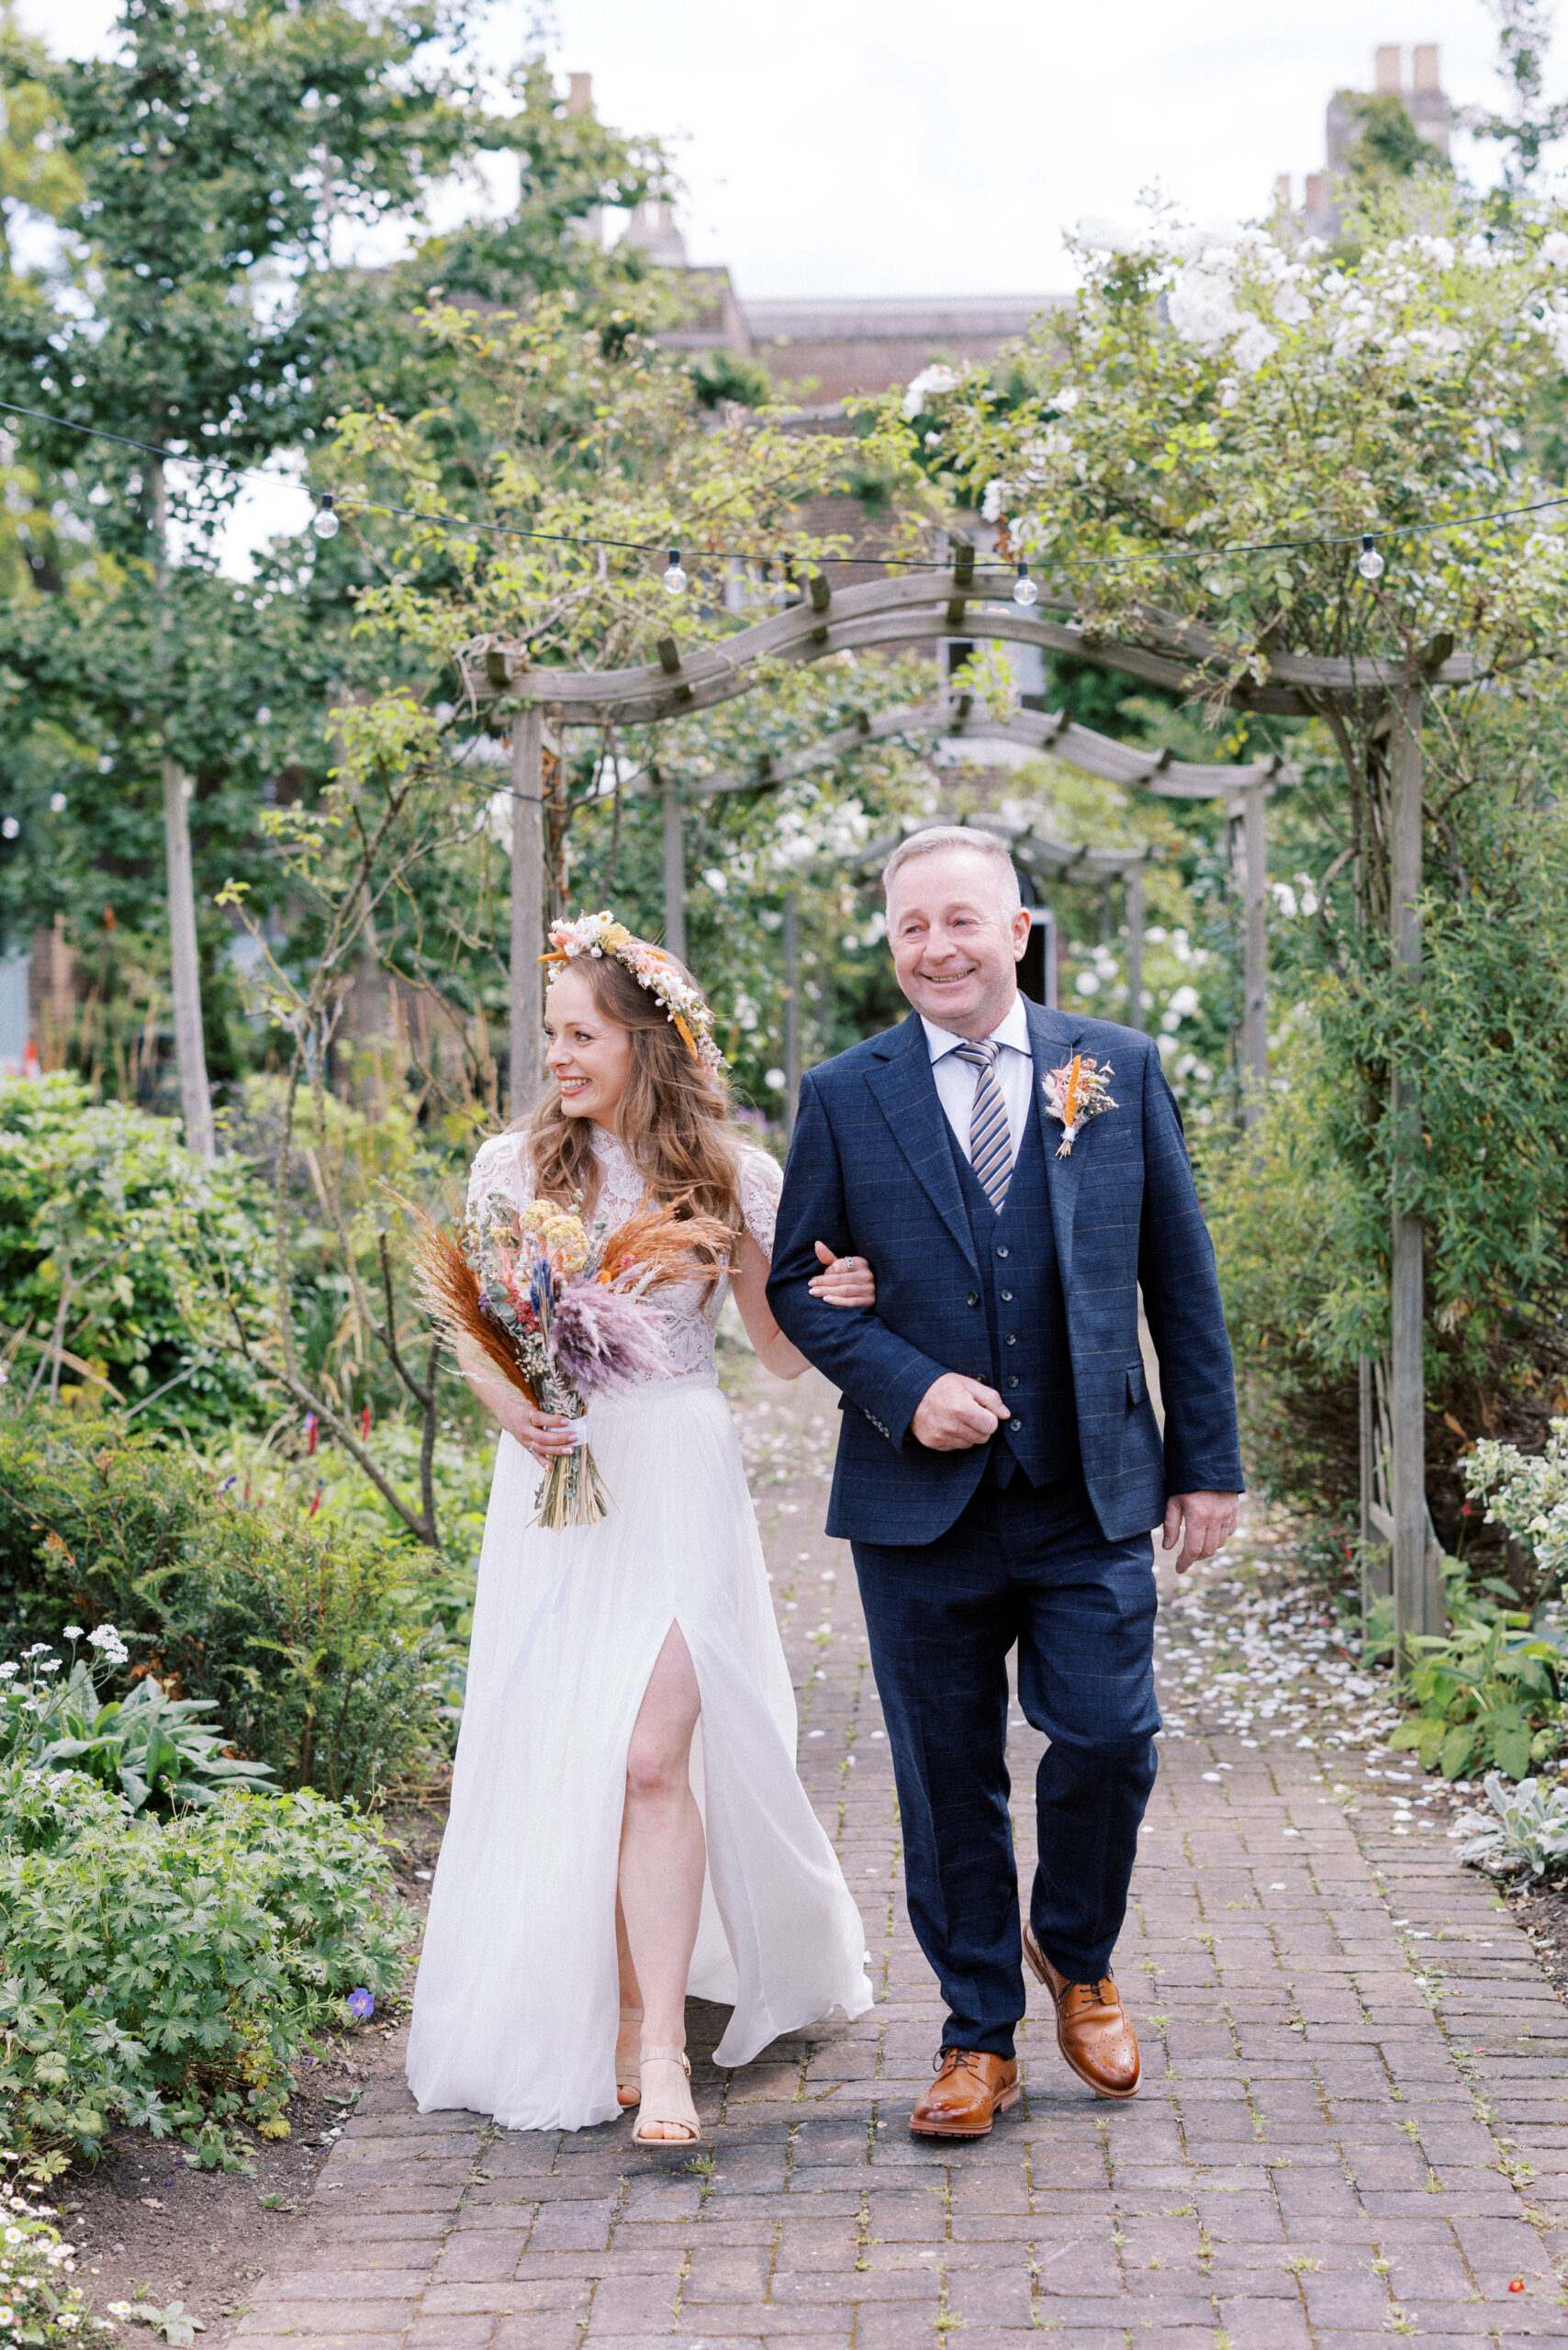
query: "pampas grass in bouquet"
563, 1313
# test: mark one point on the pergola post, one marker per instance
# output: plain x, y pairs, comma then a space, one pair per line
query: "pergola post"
1135, 914
185, 947
675, 870
1417, 1577
526, 1065
185, 965
791, 1008
1255, 998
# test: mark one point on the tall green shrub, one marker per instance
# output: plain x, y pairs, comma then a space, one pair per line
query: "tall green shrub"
309, 1642
119, 1247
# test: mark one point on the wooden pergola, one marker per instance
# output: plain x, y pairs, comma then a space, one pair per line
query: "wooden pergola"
970, 601
1243, 789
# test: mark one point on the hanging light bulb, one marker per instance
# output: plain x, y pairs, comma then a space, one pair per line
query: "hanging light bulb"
326, 525
675, 582
1369, 563
1023, 589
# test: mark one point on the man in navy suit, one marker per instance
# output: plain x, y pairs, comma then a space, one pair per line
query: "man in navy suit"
999, 1464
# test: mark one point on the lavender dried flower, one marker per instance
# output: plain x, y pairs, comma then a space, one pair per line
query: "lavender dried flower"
600, 1338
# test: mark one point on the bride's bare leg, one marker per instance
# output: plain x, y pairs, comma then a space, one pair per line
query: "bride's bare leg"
662, 1864
629, 2031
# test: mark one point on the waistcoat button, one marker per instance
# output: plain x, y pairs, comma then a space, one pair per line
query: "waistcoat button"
1015, 1427
1012, 1379
1002, 1251
973, 1298
1011, 1339
1006, 1296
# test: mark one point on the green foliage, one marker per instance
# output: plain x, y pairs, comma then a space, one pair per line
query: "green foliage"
1487, 1695
146, 1746
165, 1975
119, 1247
723, 378
1280, 1207
1390, 146
1300, 1207
172, 2322
576, 415
312, 1645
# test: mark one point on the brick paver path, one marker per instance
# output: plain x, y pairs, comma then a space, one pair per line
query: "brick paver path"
1352, 2122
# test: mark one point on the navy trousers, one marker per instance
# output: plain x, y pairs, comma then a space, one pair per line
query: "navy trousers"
1023, 1566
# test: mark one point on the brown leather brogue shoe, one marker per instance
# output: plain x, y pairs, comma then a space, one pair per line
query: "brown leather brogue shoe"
1093, 2030
970, 2089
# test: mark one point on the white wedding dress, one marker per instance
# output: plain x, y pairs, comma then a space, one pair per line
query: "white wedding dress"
516, 2005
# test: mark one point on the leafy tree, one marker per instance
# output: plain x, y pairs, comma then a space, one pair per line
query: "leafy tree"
1389, 147
210, 179
1529, 125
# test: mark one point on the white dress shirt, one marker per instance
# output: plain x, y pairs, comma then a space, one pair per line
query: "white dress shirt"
956, 1080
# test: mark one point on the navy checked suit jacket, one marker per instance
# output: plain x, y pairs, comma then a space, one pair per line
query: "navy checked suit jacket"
870, 1172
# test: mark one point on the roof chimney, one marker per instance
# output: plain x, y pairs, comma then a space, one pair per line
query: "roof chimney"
579, 93
1425, 62
652, 230
1283, 191
1386, 74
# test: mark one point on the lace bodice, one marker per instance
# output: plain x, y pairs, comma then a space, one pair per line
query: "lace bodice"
690, 1310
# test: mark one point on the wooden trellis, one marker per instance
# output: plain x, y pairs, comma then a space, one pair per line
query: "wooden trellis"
1243, 789
1170, 652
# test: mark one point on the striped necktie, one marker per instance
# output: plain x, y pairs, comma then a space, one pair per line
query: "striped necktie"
990, 1142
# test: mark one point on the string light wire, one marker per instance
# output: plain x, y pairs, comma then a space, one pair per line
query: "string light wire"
327, 505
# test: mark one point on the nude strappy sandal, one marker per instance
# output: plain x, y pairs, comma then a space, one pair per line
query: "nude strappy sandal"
692, 2137
628, 2085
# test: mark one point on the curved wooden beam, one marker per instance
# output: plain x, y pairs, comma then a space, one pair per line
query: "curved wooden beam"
918, 609
1037, 848
1052, 732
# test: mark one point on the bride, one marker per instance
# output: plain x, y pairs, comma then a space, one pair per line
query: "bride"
627, 1822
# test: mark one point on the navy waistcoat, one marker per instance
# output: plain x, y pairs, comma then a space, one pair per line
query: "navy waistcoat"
1026, 1314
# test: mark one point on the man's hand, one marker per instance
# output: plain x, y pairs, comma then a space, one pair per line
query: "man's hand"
1204, 1521
955, 1413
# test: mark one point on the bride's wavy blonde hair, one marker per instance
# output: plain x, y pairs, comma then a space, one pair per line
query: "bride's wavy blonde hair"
675, 1113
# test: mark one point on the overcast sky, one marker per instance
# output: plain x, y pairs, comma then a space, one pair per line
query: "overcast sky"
904, 147
869, 147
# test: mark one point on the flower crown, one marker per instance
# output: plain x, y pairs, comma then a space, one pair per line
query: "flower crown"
600, 934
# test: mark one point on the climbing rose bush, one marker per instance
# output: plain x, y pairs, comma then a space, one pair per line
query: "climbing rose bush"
1209, 390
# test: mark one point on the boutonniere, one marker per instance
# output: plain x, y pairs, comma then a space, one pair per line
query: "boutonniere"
1076, 1092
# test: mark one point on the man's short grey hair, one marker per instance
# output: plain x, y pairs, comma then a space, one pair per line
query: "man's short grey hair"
973, 837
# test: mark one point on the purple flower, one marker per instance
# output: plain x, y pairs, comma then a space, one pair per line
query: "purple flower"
362, 2003
600, 1338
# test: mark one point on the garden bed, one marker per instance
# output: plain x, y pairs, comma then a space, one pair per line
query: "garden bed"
144, 2223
